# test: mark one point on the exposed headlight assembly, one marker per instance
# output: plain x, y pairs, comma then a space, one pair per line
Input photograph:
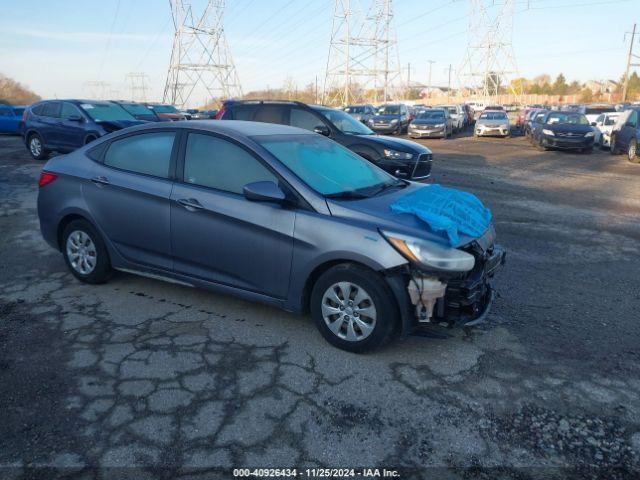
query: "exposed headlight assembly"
548, 132
394, 154
589, 134
430, 255
395, 120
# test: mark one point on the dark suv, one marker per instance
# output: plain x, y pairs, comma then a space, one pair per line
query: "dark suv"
391, 118
402, 158
64, 125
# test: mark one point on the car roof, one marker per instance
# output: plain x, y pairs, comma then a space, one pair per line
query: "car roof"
494, 111
229, 127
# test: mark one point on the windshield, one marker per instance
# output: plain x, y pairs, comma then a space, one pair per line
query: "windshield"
452, 109
324, 165
567, 119
106, 112
136, 109
345, 122
354, 109
493, 116
389, 110
431, 115
165, 108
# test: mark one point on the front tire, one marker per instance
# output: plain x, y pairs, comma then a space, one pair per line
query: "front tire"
85, 253
632, 152
36, 147
353, 308
613, 148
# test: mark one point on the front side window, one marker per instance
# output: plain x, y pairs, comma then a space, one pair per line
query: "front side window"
68, 110
303, 119
216, 163
326, 166
106, 112
147, 153
345, 122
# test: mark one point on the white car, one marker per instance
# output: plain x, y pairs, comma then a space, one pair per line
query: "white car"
593, 112
457, 115
493, 123
604, 124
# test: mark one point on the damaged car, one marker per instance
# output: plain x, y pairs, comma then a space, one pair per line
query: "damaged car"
275, 214
65, 125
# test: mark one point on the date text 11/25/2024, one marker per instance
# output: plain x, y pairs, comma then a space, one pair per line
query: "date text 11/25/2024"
316, 472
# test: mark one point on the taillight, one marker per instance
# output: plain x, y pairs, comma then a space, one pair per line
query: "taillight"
24, 115
46, 178
220, 113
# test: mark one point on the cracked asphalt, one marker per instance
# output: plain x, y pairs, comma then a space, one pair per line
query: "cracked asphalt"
153, 380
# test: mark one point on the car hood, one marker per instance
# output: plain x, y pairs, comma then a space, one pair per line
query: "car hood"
377, 210
385, 118
563, 127
395, 143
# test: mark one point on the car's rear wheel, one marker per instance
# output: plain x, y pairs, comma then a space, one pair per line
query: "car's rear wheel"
632, 152
36, 147
89, 139
85, 253
353, 308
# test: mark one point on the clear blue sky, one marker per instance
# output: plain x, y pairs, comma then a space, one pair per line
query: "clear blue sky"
54, 46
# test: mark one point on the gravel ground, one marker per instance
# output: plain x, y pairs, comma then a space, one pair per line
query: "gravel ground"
141, 378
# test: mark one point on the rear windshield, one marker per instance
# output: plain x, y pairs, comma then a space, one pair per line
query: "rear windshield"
106, 112
432, 114
598, 110
567, 118
493, 116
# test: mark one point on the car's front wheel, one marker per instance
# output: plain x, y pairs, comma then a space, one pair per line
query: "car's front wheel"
632, 152
36, 147
353, 308
613, 145
85, 253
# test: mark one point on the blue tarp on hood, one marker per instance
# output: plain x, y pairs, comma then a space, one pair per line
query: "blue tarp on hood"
446, 211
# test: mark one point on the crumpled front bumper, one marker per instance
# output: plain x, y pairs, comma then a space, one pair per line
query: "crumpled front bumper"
467, 300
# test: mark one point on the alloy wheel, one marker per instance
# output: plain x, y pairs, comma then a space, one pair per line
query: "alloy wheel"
632, 152
349, 311
35, 145
81, 252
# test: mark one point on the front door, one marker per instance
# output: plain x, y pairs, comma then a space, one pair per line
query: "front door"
128, 197
216, 233
627, 132
71, 131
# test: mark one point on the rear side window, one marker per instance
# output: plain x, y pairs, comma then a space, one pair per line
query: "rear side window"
147, 153
51, 109
216, 163
5, 112
37, 110
271, 114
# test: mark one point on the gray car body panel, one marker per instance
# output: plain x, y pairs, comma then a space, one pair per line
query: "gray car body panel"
267, 252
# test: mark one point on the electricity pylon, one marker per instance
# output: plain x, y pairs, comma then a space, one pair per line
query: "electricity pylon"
201, 68
489, 65
138, 86
363, 61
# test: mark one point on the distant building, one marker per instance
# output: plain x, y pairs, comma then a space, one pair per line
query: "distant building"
601, 86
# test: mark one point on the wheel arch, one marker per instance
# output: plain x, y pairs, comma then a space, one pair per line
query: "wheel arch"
66, 220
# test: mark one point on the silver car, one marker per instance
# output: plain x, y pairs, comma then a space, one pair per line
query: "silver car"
493, 123
266, 212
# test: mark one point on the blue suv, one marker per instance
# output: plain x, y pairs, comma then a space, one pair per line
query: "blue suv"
64, 125
627, 138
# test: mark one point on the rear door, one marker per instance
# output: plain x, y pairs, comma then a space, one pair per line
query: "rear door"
216, 233
128, 196
49, 124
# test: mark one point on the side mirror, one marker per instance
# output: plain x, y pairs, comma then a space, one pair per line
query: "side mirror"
265, 191
75, 118
322, 130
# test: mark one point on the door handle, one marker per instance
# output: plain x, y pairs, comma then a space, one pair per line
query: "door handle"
100, 181
190, 204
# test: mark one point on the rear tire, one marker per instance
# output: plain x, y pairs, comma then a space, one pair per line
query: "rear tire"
36, 147
353, 308
89, 139
85, 253
613, 148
